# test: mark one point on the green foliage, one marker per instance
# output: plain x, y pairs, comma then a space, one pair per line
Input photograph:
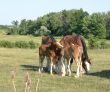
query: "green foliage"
18, 44
33, 45
3, 29
65, 22
7, 44
106, 17
21, 44
103, 44
93, 25
76, 21
12, 31
43, 31
93, 42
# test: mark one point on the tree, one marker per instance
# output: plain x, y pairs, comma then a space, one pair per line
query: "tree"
54, 23
14, 28
43, 31
76, 21
15, 23
65, 22
107, 23
94, 25
23, 27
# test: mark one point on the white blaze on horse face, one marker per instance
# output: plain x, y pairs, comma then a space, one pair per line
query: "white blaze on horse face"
72, 44
59, 44
87, 65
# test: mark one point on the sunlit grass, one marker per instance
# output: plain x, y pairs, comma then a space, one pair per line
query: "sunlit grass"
14, 38
26, 60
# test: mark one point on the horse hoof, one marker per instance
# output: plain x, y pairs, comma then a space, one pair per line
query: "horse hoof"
39, 71
62, 75
69, 74
76, 76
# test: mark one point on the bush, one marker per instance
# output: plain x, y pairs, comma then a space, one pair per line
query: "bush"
32, 45
6, 44
93, 43
19, 44
104, 45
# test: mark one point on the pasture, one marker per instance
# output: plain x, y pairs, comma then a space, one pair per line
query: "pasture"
26, 60
23, 60
14, 38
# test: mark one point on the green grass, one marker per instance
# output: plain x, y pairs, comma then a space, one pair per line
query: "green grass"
2, 31
14, 38
23, 60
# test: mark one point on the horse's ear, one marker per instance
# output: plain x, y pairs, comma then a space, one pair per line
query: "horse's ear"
59, 44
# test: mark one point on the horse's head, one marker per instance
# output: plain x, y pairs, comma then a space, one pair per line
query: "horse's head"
86, 65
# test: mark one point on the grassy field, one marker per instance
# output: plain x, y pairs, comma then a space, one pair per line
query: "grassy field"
13, 38
2, 31
26, 60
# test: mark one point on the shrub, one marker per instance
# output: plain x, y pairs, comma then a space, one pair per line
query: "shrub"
104, 44
6, 44
93, 43
21, 44
32, 45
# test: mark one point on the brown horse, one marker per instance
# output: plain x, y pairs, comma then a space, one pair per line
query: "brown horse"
51, 50
70, 50
43, 51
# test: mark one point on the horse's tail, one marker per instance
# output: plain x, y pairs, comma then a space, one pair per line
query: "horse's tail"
85, 55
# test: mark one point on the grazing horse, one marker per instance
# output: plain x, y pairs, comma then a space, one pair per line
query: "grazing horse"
50, 49
80, 48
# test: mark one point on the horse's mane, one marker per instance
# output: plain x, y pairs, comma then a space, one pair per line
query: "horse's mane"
48, 40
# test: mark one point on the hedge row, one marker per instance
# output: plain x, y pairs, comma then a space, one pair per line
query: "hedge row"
18, 44
98, 44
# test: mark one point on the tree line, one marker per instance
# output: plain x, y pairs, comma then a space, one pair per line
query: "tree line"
65, 22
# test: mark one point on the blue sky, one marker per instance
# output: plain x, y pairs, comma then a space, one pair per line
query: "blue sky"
31, 9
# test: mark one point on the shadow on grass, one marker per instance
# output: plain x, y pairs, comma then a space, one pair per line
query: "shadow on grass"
103, 74
32, 68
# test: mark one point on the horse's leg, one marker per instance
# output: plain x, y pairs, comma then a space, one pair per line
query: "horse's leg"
48, 64
51, 65
80, 59
78, 68
58, 66
41, 59
81, 69
68, 67
62, 67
